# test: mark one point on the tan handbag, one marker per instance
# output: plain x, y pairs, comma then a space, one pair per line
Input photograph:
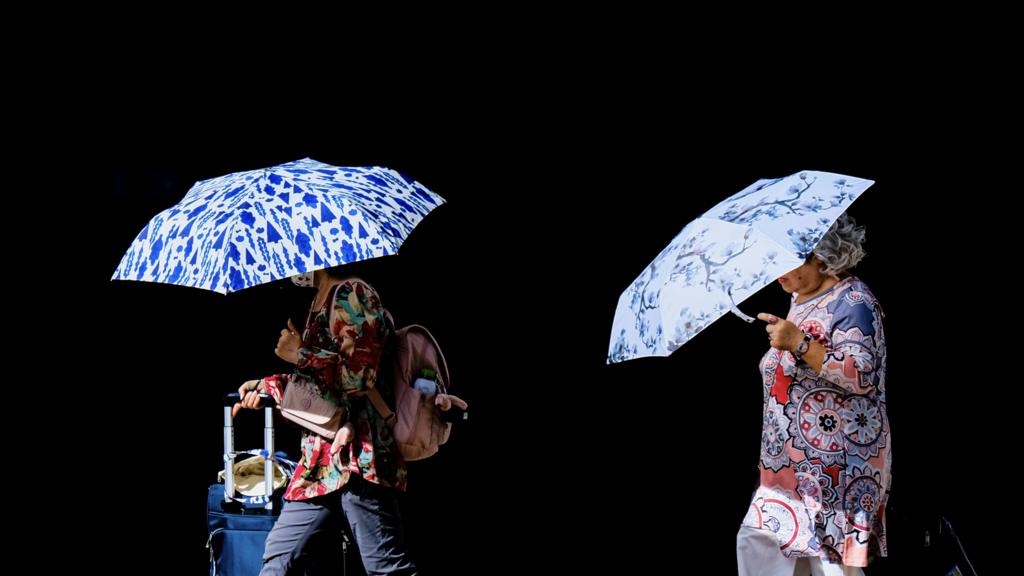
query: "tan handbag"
303, 404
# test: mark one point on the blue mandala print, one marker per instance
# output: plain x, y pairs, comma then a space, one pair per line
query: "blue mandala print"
769, 363
863, 426
862, 500
838, 432
815, 424
774, 435
813, 483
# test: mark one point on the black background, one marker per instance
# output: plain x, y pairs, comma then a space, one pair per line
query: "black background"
554, 205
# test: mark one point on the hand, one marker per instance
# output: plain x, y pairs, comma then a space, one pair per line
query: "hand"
288, 344
782, 334
443, 401
446, 401
345, 433
250, 396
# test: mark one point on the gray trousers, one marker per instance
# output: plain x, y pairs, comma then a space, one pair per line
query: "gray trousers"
306, 537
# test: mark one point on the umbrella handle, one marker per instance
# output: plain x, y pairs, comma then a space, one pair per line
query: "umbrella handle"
736, 311
742, 316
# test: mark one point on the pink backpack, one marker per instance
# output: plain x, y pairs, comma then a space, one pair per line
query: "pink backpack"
417, 425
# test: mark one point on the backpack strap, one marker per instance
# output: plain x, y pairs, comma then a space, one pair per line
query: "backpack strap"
381, 406
373, 395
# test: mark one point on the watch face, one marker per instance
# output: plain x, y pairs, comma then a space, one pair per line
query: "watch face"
802, 347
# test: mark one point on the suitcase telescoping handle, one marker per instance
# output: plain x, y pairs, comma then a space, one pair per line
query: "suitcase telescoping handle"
267, 403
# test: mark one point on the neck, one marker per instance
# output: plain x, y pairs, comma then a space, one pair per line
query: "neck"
827, 283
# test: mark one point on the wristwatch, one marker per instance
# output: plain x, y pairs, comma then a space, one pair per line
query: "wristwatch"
802, 347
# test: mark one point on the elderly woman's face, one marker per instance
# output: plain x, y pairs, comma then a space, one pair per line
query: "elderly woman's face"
805, 279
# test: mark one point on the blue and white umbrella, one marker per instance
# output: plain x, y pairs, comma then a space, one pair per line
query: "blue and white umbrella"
725, 256
248, 228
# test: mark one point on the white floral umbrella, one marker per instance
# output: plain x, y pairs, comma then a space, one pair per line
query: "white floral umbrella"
724, 257
248, 228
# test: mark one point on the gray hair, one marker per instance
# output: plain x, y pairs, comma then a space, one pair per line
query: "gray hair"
841, 248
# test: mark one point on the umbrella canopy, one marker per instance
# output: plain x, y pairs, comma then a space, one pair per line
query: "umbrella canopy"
249, 228
724, 257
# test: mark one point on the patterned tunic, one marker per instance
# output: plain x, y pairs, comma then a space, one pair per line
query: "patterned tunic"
825, 437
343, 360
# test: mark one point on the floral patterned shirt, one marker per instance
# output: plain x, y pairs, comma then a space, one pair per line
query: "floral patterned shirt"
343, 359
825, 468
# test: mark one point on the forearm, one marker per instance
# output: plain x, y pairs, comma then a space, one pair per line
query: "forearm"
275, 385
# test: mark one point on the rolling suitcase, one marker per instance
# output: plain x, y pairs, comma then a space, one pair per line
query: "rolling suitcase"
238, 527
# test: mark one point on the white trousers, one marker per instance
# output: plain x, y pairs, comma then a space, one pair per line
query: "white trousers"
758, 554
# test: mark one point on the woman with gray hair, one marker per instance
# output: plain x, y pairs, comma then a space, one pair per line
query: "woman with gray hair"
820, 505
